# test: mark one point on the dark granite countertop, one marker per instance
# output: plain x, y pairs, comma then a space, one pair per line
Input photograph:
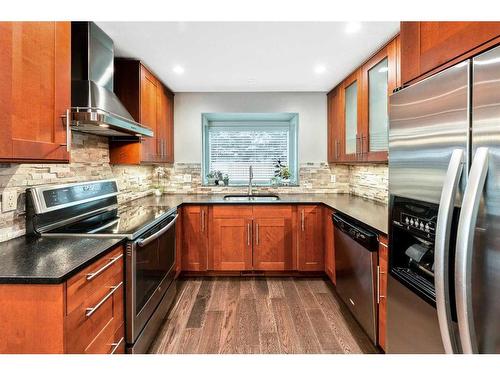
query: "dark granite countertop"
27, 260
372, 213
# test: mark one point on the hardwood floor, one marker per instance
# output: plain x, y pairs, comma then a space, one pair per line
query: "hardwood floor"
259, 315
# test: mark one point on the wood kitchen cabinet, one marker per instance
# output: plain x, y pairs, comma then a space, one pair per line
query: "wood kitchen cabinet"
195, 230
310, 238
151, 104
358, 109
35, 87
273, 238
85, 314
427, 47
383, 267
329, 243
231, 238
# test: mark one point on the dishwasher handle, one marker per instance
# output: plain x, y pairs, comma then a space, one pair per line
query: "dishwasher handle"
355, 231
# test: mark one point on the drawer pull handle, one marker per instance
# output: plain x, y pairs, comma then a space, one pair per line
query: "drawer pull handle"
92, 275
91, 310
116, 345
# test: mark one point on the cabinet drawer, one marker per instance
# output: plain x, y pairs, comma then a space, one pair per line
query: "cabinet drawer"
93, 278
108, 341
92, 322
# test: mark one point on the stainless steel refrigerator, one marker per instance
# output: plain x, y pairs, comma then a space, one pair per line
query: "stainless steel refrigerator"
444, 186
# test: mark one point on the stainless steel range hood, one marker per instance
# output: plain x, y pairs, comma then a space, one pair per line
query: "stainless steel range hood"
94, 106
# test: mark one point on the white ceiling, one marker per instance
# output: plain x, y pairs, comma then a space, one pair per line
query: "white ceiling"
249, 56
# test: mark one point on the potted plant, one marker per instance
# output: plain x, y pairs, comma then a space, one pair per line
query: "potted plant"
158, 186
285, 175
281, 174
226, 180
218, 177
211, 178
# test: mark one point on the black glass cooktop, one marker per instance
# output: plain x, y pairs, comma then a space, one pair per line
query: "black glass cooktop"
127, 221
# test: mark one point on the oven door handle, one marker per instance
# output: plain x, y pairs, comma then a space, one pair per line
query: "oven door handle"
154, 236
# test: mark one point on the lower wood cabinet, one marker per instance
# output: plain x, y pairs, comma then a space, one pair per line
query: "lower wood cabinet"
194, 255
231, 238
310, 238
329, 243
273, 238
383, 265
83, 315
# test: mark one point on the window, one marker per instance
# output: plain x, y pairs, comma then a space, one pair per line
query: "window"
232, 142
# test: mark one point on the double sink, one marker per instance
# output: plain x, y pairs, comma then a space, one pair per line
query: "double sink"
251, 198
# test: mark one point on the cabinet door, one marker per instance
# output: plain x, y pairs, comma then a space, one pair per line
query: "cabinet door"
310, 238
194, 238
273, 238
382, 297
150, 146
379, 80
335, 125
35, 86
427, 46
329, 243
352, 117
231, 243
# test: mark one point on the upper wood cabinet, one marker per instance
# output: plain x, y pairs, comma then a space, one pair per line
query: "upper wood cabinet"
311, 256
35, 90
358, 109
427, 47
151, 104
194, 234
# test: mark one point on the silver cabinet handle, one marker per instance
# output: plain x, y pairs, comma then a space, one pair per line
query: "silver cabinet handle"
378, 284
91, 310
144, 242
338, 149
248, 234
442, 253
361, 151
68, 129
116, 345
464, 250
302, 224
93, 275
257, 233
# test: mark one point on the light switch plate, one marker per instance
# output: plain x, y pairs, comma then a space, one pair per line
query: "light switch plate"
333, 178
9, 200
187, 178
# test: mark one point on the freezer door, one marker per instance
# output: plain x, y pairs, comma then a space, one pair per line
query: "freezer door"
479, 291
428, 121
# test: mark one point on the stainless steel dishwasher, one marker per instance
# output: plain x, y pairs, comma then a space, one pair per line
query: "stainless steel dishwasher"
355, 266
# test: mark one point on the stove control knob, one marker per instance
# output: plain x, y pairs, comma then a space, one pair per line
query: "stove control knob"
407, 221
426, 227
412, 222
421, 226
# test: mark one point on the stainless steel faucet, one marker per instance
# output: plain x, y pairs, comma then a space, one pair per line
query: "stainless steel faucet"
250, 178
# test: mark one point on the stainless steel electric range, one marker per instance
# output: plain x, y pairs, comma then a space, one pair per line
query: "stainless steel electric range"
90, 209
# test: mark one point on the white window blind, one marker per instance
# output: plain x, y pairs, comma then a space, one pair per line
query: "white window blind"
232, 147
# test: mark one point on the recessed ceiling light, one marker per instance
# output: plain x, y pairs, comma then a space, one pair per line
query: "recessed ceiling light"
178, 69
352, 27
252, 81
319, 69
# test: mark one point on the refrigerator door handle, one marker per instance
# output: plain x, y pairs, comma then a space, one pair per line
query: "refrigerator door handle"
442, 253
465, 239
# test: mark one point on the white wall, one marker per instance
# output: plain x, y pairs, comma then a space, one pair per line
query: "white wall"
311, 107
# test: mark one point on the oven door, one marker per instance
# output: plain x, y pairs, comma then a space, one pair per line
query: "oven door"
150, 267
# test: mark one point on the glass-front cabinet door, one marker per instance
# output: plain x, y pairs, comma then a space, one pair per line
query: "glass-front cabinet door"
378, 117
351, 117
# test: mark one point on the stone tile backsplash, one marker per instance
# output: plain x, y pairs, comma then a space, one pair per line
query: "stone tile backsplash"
90, 161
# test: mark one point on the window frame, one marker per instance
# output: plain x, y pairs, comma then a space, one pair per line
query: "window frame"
268, 118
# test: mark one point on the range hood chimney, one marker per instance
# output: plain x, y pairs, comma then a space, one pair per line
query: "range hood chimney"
95, 108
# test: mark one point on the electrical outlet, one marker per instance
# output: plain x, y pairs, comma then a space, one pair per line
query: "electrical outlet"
9, 200
333, 178
187, 178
